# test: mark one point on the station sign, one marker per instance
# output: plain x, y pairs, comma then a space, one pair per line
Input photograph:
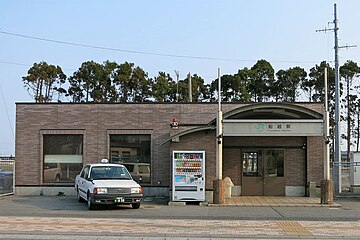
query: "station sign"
290, 127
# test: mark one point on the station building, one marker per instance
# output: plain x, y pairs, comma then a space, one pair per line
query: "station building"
269, 149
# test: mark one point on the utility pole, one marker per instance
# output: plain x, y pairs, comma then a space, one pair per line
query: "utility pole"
190, 88
218, 184
326, 128
337, 175
337, 141
219, 134
327, 185
177, 85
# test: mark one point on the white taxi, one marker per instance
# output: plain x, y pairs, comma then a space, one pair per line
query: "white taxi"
106, 183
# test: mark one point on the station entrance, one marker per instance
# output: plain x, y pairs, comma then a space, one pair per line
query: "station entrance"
263, 172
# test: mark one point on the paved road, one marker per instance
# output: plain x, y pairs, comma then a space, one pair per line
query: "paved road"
65, 218
69, 207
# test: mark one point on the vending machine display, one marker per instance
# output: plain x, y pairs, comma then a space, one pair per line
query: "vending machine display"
188, 176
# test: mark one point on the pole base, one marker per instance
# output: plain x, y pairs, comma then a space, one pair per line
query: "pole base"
327, 192
218, 192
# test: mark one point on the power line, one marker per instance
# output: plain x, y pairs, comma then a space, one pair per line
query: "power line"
141, 52
14, 63
7, 113
29, 65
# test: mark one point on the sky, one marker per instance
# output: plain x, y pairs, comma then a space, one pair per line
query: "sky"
160, 35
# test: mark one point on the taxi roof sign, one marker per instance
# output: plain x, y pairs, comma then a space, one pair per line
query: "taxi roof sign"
104, 160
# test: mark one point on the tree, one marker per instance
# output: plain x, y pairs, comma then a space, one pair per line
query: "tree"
122, 80
349, 71
107, 87
243, 78
76, 89
285, 87
141, 85
261, 81
164, 88
229, 88
314, 85
44, 80
356, 130
234, 87
132, 83
84, 80
93, 82
200, 90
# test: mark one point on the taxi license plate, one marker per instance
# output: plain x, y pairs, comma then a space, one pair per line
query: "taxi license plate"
119, 200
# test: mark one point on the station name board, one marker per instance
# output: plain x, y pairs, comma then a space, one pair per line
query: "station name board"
273, 128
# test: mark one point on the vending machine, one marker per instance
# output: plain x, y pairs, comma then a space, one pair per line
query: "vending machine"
188, 182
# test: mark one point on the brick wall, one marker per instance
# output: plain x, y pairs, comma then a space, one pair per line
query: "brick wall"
97, 121
315, 155
200, 141
294, 156
232, 165
295, 174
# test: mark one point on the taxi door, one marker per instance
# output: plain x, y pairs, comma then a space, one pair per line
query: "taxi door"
82, 182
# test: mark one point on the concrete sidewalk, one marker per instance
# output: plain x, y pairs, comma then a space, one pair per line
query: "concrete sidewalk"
274, 201
266, 201
101, 228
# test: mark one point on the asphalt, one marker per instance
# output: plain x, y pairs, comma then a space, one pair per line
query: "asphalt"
62, 217
348, 209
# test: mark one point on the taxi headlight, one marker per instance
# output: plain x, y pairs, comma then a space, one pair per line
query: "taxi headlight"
100, 190
136, 190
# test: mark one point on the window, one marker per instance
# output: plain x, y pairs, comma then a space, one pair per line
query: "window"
251, 164
144, 169
274, 163
85, 172
130, 167
263, 162
63, 157
109, 172
131, 150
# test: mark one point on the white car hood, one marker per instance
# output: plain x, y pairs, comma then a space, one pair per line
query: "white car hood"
115, 183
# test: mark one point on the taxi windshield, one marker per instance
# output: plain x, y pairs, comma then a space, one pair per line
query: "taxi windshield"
109, 172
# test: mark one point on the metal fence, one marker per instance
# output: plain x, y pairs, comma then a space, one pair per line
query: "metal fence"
7, 177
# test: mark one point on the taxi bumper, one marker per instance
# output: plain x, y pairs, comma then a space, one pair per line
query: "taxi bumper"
116, 199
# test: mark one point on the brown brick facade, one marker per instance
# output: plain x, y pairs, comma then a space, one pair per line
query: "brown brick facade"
294, 148
97, 121
315, 155
201, 141
232, 165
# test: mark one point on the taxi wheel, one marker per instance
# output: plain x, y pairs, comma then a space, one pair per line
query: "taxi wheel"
135, 205
91, 206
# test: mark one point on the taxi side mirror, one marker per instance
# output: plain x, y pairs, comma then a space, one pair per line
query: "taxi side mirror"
139, 179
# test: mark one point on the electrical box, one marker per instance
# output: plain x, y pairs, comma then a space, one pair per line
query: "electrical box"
355, 169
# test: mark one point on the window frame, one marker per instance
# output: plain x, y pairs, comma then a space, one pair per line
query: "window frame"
43, 134
146, 133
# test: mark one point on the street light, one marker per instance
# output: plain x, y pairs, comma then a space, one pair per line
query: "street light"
177, 85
